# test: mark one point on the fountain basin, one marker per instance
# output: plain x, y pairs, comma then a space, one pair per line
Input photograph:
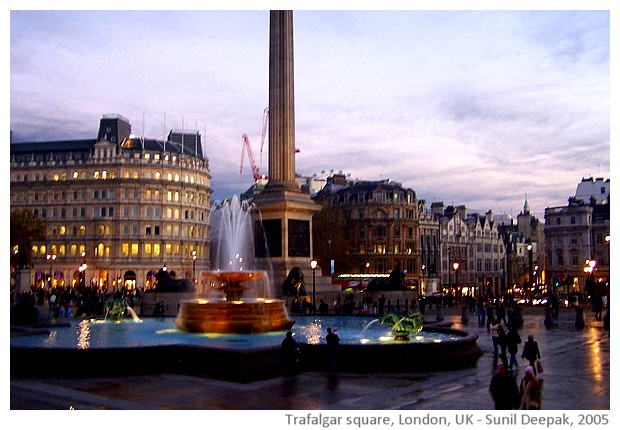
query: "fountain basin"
245, 316
156, 346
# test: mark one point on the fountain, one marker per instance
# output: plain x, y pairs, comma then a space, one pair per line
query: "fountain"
232, 298
402, 325
115, 309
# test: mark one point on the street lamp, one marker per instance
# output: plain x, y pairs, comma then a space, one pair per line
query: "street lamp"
422, 286
531, 263
329, 254
51, 258
455, 266
82, 270
313, 264
194, 266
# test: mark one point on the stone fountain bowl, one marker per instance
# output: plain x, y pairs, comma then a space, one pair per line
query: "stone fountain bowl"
234, 313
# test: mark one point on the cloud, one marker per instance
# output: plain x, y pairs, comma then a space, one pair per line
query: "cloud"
475, 107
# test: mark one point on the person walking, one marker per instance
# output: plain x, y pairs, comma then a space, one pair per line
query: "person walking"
513, 340
503, 389
530, 390
531, 352
333, 341
489, 311
494, 330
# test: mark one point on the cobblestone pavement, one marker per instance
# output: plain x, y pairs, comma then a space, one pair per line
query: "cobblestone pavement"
577, 377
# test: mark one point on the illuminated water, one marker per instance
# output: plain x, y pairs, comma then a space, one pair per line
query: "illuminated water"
162, 331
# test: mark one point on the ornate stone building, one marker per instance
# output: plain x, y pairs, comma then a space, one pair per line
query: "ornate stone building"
577, 235
525, 259
383, 225
473, 255
116, 208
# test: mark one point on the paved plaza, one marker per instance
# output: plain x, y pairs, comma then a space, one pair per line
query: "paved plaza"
576, 377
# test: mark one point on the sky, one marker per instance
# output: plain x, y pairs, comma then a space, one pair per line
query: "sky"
474, 107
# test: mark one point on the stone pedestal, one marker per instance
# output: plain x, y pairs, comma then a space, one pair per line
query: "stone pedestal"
439, 316
548, 317
23, 279
579, 322
465, 313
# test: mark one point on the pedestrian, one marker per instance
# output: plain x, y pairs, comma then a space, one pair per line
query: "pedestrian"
530, 390
502, 341
333, 341
531, 352
500, 312
503, 389
481, 312
290, 354
381, 304
489, 311
513, 340
323, 307
494, 330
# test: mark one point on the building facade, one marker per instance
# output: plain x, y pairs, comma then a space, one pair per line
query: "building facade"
577, 245
525, 258
473, 255
116, 208
383, 226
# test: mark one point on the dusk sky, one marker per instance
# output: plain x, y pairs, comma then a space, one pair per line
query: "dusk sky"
474, 107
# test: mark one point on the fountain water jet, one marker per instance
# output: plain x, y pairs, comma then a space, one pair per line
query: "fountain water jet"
233, 298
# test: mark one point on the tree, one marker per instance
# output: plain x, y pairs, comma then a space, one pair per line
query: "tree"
329, 240
26, 228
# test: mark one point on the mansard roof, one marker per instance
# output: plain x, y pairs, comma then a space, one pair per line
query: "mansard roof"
63, 148
116, 130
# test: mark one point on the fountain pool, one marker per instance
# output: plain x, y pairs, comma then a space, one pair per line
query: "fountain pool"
158, 345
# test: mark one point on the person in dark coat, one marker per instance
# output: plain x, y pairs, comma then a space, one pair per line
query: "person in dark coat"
502, 341
513, 340
333, 340
503, 389
290, 354
531, 352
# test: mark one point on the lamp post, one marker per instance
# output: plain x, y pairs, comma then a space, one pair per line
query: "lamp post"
82, 270
455, 266
329, 255
313, 264
531, 263
606, 317
51, 258
422, 286
194, 266
589, 271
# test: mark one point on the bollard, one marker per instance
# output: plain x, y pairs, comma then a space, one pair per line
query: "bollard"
465, 313
548, 317
439, 312
579, 322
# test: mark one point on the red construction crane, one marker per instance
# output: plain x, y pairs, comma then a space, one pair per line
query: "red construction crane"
247, 147
263, 133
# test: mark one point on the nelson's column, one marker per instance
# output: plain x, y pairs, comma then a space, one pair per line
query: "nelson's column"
286, 211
